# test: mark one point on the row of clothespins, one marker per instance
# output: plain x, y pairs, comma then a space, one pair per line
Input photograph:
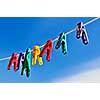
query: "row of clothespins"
25, 59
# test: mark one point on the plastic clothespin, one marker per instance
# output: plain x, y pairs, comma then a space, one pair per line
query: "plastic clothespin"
79, 30
20, 59
62, 42
13, 60
85, 39
47, 48
26, 63
81, 33
35, 56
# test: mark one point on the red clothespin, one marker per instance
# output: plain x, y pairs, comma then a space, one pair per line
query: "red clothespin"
48, 48
13, 60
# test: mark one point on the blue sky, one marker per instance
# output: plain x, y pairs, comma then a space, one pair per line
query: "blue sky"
17, 34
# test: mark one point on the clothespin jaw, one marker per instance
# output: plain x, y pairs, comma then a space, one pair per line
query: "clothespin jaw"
13, 60
28, 51
85, 39
14, 56
49, 43
26, 63
22, 55
64, 47
62, 42
81, 32
36, 53
40, 60
48, 48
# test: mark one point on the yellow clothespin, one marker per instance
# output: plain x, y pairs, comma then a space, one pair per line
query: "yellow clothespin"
35, 56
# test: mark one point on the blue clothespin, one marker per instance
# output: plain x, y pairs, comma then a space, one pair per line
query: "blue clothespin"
62, 42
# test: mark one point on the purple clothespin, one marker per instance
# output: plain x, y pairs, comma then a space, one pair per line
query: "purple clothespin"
20, 59
81, 33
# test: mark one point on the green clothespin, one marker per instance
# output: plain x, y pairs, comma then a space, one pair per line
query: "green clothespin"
26, 63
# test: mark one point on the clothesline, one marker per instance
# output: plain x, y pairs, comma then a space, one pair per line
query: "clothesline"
66, 33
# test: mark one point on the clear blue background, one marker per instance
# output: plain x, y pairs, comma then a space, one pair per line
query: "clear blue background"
17, 34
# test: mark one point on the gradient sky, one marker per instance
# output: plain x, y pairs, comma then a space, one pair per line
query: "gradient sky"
17, 34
